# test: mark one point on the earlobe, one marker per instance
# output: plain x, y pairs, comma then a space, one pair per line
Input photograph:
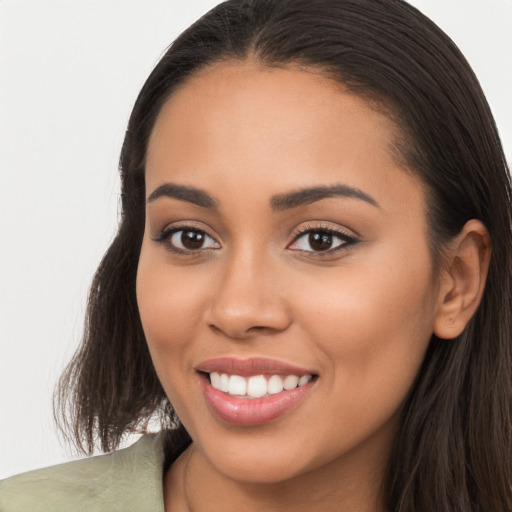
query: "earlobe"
463, 281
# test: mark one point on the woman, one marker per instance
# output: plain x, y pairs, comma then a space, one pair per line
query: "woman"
303, 269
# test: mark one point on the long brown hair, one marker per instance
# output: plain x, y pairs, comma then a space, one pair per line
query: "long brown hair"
453, 450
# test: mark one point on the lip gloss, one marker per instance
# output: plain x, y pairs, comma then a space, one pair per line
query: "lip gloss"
244, 411
252, 411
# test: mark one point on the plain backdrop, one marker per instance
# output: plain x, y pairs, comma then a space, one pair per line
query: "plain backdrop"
70, 71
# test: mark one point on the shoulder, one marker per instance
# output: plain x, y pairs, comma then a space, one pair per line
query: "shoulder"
125, 480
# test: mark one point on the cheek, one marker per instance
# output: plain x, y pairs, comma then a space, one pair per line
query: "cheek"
372, 326
171, 306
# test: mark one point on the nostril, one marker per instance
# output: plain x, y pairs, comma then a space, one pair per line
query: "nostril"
242, 333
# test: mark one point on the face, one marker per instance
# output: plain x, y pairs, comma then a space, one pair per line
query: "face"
283, 243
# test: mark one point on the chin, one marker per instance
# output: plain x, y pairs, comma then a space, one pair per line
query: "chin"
261, 457
260, 468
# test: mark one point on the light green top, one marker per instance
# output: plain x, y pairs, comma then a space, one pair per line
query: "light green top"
128, 480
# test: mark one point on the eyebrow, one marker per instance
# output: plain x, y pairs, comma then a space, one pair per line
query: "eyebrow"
278, 202
184, 193
312, 194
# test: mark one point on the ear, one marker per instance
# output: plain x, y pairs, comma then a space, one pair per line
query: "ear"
462, 282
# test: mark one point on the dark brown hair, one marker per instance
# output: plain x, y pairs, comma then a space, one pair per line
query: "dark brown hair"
453, 450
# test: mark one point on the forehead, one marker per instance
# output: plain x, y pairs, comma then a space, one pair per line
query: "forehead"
253, 123
229, 96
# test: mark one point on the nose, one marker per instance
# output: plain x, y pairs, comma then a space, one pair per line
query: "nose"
249, 298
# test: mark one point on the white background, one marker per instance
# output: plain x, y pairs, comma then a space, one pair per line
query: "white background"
69, 73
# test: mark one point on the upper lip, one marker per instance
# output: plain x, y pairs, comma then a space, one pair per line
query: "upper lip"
252, 366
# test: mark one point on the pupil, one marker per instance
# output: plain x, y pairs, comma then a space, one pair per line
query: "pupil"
320, 241
192, 239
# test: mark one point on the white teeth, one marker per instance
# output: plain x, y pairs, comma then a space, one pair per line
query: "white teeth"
237, 385
304, 380
290, 382
275, 385
256, 386
215, 380
224, 383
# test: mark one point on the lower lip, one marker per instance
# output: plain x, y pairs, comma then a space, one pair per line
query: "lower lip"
249, 412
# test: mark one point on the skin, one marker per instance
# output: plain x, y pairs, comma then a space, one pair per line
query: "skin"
360, 317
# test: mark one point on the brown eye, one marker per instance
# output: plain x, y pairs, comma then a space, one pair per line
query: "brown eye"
191, 240
320, 241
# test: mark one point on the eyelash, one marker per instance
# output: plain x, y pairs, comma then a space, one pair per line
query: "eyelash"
348, 241
165, 236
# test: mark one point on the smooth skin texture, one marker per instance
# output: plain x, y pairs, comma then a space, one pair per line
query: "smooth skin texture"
253, 283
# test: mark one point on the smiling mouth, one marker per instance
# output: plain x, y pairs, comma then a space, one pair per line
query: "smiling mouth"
256, 386
256, 391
